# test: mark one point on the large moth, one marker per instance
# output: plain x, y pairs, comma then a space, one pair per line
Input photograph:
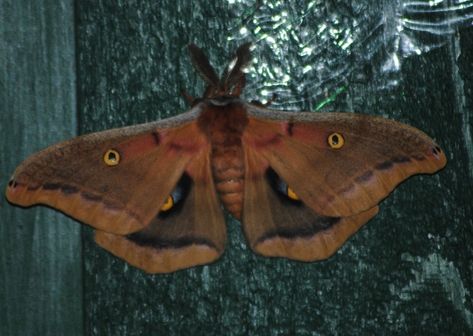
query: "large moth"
300, 183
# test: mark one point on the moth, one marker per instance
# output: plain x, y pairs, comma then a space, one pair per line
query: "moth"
300, 183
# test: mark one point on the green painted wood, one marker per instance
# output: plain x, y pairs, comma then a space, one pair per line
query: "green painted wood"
407, 272
40, 250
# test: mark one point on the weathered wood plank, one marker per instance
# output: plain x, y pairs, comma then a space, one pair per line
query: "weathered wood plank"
40, 250
407, 272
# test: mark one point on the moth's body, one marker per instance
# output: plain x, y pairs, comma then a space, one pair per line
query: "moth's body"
301, 183
223, 122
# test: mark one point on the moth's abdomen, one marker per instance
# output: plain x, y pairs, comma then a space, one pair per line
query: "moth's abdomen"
228, 172
224, 124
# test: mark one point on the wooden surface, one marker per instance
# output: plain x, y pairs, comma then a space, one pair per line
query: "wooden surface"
408, 271
40, 250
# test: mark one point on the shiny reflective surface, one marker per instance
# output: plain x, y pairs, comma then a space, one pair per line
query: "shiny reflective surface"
319, 44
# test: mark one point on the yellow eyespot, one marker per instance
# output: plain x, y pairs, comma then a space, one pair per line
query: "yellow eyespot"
292, 195
168, 204
336, 140
111, 157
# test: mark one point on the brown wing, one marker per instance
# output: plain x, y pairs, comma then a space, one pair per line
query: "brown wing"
191, 233
278, 226
335, 183
376, 156
73, 176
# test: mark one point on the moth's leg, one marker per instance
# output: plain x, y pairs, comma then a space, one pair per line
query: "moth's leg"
190, 99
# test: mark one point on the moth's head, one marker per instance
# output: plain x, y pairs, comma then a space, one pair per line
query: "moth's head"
232, 81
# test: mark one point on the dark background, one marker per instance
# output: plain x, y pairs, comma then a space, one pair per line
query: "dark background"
74, 67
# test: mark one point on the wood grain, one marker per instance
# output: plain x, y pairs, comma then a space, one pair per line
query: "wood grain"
40, 250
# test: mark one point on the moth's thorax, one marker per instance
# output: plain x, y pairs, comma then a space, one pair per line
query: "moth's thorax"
224, 123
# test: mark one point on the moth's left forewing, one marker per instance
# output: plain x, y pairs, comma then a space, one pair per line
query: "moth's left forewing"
377, 155
114, 180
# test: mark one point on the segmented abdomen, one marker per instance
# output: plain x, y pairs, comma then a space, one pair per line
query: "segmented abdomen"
224, 123
229, 171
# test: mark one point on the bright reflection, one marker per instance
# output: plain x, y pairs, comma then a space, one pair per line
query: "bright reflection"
243, 31
307, 68
312, 49
306, 51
